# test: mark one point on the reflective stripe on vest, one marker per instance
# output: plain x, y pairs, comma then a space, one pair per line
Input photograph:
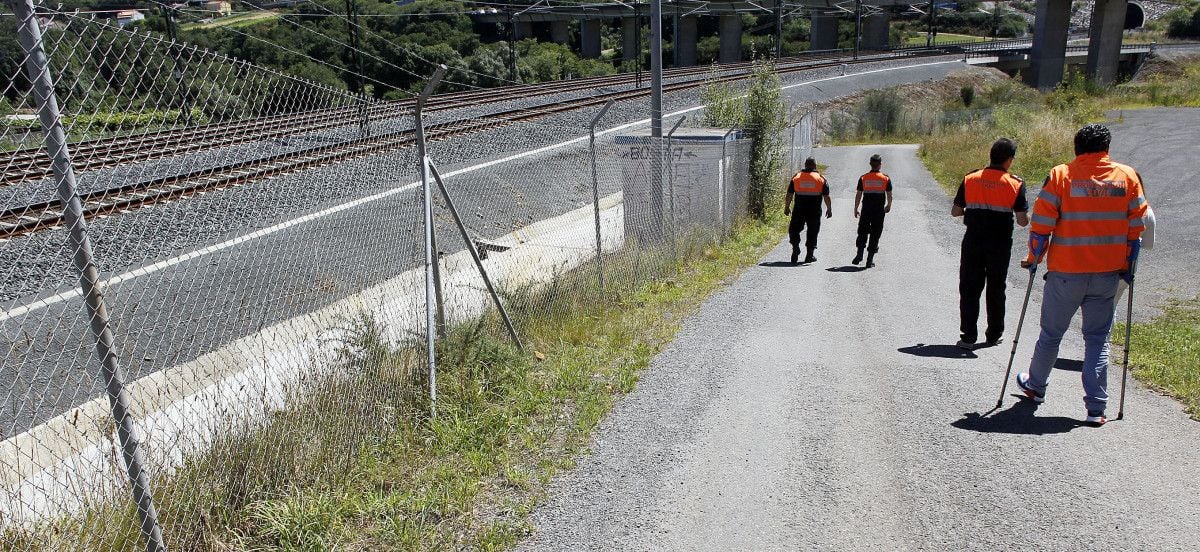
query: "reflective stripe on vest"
874, 183
1093, 207
808, 183
991, 190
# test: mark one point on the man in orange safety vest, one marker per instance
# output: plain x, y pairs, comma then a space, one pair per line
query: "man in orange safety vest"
1088, 219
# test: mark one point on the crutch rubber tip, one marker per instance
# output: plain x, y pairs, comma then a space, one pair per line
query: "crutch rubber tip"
1120, 415
999, 403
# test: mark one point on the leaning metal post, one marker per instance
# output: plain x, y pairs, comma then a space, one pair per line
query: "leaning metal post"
38, 69
430, 291
487, 281
724, 191
671, 187
596, 192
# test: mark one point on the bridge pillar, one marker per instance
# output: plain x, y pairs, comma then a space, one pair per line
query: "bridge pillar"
1048, 56
629, 38
589, 38
560, 31
685, 51
875, 31
731, 38
1104, 40
524, 29
824, 35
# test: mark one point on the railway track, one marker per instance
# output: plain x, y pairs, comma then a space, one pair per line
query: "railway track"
34, 163
49, 214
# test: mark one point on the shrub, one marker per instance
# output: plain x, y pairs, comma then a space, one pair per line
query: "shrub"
968, 95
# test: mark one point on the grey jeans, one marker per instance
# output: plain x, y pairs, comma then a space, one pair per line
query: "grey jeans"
1063, 295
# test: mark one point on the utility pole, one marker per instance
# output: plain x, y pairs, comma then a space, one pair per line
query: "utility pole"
656, 68
778, 29
857, 26
172, 33
932, 19
637, 33
364, 127
512, 47
656, 130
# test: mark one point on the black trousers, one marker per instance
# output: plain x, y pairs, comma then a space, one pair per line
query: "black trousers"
870, 227
983, 264
800, 219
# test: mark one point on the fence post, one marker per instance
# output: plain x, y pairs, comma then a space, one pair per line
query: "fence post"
430, 286
38, 68
596, 192
671, 188
724, 180
487, 281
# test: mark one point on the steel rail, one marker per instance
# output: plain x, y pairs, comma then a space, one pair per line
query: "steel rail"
49, 214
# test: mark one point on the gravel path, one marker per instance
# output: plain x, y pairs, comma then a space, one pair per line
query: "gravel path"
822, 408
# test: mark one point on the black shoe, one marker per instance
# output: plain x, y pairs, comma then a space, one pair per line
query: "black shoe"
870, 261
993, 342
810, 258
857, 258
795, 253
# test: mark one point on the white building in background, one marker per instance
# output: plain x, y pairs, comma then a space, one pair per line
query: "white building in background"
222, 7
125, 17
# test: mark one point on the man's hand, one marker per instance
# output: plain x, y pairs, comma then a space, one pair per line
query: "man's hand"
787, 211
887, 209
829, 213
1128, 277
1026, 263
856, 212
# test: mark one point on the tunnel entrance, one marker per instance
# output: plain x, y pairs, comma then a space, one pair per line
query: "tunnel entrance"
1135, 16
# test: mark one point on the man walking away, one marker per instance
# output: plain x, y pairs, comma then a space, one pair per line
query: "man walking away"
987, 200
873, 188
809, 188
1089, 219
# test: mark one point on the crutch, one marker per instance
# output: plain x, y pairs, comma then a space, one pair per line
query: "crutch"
1125, 368
1016, 338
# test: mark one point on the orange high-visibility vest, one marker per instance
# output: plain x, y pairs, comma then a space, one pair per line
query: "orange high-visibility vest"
991, 190
808, 183
875, 182
1092, 206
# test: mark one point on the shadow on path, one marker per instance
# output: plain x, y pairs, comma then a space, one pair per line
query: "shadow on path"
1017, 419
938, 351
776, 264
1069, 365
847, 268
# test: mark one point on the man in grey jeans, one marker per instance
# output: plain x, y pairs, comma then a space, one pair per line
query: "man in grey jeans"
1095, 210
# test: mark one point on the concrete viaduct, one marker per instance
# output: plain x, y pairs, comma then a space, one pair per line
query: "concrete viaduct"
872, 18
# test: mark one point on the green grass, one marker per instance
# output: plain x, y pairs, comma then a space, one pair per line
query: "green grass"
358, 464
1165, 353
943, 38
1043, 124
236, 20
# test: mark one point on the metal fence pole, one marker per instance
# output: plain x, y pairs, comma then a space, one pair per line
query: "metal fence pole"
724, 191
596, 192
38, 68
671, 188
487, 281
430, 288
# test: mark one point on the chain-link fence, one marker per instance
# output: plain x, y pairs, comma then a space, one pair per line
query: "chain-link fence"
214, 275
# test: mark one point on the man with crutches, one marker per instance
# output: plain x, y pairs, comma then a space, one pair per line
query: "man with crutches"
1088, 219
